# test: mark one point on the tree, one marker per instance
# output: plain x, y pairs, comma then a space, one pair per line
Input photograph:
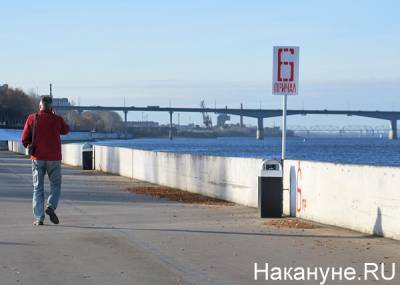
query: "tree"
94, 121
15, 105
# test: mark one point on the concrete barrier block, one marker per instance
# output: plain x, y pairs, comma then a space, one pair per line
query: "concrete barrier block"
232, 179
72, 154
113, 160
17, 147
359, 197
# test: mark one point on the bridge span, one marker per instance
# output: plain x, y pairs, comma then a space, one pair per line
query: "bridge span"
259, 114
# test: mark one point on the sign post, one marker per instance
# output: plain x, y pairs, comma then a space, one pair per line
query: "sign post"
284, 108
285, 80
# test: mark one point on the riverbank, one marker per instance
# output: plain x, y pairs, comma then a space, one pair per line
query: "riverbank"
15, 134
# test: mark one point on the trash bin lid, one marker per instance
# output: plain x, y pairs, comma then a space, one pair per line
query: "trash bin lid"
271, 168
87, 147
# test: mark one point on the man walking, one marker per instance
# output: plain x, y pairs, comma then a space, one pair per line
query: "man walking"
41, 135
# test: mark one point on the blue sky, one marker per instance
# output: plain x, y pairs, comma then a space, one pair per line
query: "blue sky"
154, 52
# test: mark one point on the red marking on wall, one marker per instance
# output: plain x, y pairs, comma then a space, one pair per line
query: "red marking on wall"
304, 203
298, 188
301, 202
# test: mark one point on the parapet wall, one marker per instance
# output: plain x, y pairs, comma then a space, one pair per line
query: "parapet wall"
230, 178
71, 153
16, 146
358, 197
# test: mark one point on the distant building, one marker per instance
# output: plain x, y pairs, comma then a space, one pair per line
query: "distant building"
60, 102
57, 102
142, 124
221, 120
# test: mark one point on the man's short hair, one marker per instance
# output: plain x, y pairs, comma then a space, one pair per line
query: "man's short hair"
46, 101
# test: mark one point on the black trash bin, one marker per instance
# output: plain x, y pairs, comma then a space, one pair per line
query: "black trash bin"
270, 190
87, 156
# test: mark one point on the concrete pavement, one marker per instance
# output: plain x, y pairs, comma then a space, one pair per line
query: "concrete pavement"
110, 236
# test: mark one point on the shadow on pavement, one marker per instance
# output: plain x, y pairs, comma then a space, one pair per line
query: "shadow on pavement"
15, 243
223, 232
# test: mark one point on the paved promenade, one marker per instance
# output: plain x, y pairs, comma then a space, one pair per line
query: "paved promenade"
110, 236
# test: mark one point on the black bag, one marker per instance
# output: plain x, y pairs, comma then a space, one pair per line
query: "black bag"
31, 146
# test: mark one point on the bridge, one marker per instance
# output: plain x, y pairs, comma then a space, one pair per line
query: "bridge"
259, 114
361, 130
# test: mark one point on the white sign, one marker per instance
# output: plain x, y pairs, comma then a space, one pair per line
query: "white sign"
285, 71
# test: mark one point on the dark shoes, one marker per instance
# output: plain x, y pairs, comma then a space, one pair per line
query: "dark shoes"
38, 223
52, 215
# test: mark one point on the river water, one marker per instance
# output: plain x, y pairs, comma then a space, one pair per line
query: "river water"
372, 151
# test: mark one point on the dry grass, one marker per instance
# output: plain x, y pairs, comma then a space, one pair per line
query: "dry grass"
178, 195
291, 223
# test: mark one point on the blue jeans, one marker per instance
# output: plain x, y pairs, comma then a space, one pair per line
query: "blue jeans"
39, 169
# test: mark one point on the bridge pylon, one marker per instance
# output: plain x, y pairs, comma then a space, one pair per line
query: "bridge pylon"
170, 126
393, 131
126, 124
260, 128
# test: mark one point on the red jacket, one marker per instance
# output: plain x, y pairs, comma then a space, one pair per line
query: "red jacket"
47, 142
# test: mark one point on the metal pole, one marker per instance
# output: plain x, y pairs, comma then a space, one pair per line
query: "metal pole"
126, 124
170, 126
284, 126
241, 116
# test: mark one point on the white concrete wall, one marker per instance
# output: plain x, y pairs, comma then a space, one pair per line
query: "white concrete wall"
16, 146
362, 198
230, 178
115, 160
359, 197
72, 154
